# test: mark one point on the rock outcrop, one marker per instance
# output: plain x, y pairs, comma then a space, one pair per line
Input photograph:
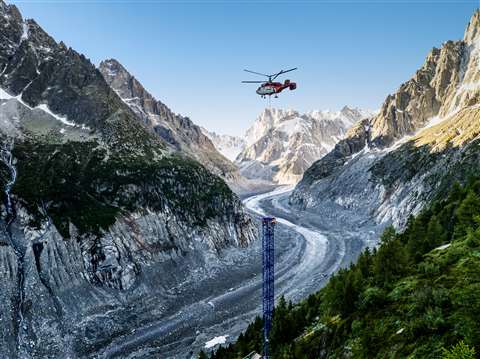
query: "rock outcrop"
97, 209
424, 138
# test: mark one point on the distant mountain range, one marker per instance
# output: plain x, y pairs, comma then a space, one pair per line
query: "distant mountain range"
282, 144
229, 146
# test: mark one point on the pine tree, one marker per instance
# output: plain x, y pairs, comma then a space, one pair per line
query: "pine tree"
435, 234
465, 213
390, 260
417, 242
459, 351
281, 326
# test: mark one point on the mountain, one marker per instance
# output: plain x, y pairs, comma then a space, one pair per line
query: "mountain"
282, 144
229, 146
425, 137
178, 131
416, 165
95, 202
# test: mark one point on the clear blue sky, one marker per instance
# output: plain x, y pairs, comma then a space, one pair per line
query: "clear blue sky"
190, 54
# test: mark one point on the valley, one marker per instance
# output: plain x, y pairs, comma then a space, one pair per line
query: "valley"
129, 231
221, 301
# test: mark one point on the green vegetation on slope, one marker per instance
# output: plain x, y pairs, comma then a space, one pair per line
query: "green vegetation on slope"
416, 296
83, 184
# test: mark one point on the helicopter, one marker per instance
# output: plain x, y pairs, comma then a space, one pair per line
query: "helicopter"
269, 88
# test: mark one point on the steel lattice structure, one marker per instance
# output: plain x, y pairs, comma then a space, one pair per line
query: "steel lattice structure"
268, 261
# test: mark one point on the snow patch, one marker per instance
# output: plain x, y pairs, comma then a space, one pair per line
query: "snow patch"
229, 146
110, 71
445, 246
230, 152
437, 119
292, 126
216, 341
471, 86
4, 95
63, 120
433, 121
25, 31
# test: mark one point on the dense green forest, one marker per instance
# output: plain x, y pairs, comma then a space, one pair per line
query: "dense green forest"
417, 295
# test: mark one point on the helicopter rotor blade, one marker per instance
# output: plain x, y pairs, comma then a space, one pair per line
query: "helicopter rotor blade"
256, 73
253, 82
283, 72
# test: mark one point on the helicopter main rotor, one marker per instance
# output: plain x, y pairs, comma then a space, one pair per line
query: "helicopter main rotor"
270, 77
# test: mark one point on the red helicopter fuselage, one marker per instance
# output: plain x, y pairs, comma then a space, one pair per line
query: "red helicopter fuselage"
270, 87
273, 88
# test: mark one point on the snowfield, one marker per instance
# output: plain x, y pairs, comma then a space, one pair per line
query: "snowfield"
216, 341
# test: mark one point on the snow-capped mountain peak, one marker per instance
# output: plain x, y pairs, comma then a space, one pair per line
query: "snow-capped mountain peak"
229, 146
281, 144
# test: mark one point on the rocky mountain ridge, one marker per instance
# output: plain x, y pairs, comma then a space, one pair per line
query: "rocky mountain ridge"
178, 131
282, 144
96, 209
424, 138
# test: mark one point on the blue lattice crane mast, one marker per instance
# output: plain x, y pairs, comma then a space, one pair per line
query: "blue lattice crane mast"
268, 262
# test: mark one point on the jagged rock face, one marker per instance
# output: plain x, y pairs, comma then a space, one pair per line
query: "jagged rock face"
283, 144
92, 201
44, 72
229, 146
424, 138
178, 131
464, 91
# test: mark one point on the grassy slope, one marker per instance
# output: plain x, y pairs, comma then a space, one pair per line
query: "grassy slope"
407, 299
444, 154
79, 182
